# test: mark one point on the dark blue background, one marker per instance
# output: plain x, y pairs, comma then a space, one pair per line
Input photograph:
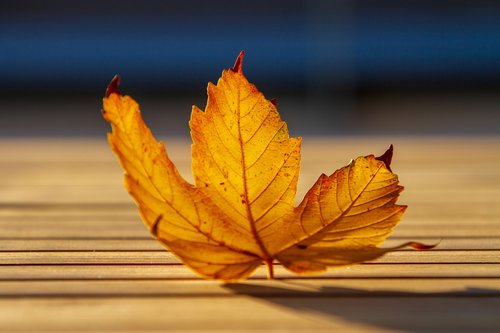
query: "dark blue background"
331, 57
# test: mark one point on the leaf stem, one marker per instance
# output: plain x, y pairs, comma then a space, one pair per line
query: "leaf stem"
270, 269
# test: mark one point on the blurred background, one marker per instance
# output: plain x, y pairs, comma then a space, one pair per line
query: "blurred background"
335, 67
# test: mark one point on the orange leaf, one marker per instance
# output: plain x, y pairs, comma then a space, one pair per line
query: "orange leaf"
240, 211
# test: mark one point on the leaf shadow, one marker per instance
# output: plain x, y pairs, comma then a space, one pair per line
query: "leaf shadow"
471, 309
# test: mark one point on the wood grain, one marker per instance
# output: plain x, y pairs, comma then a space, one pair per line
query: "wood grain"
74, 255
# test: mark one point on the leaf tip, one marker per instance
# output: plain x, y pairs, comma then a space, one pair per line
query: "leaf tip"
113, 86
238, 64
387, 157
422, 247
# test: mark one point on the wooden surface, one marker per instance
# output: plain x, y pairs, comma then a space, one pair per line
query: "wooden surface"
74, 255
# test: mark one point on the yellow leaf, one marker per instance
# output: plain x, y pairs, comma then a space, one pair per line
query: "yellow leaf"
240, 211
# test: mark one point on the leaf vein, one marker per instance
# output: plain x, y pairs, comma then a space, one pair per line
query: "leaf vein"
274, 178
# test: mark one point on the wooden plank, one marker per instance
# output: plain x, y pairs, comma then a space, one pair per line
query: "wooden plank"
149, 244
245, 314
174, 271
447, 231
416, 215
137, 230
165, 257
466, 287
430, 212
11, 226
73, 150
411, 148
105, 193
445, 177
43, 245
425, 210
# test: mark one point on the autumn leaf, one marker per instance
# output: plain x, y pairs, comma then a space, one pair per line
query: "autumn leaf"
240, 212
